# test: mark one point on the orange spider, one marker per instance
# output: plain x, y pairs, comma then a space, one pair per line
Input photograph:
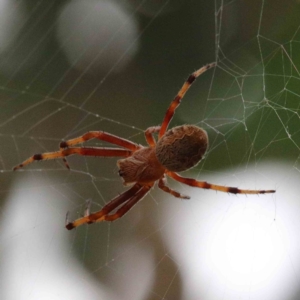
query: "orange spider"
177, 149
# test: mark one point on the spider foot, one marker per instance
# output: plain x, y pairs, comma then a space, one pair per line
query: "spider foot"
63, 145
18, 167
66, 163
35, 157
85, 219
68, 224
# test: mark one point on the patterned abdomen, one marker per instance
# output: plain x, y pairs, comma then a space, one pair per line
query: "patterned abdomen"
181, 147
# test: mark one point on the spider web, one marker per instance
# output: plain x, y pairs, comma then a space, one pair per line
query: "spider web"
68, 67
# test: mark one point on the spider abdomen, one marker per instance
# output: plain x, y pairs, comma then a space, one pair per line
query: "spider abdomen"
181, 147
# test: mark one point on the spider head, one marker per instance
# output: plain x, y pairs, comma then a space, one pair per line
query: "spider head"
142, 166
181, 147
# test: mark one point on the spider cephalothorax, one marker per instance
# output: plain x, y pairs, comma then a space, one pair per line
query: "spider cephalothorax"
177, 149
142, 166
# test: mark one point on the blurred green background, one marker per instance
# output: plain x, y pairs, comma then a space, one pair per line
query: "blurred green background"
68, 67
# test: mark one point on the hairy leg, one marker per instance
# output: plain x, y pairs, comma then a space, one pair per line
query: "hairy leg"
175, 103
109, 207
103, 152
128, 205
100, 135
209, 186
162, 185
103, 136
149, 135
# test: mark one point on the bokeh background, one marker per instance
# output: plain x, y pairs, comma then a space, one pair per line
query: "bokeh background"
68, 67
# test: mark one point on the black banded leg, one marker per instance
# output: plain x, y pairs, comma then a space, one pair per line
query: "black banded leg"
175, 103
128, 205
109, 207
85, 151
103, 136
210, 186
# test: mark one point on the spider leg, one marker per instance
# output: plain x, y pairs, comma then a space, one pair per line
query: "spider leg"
104, 152
103, 136
162, 185
175, 103
100, 135
110, 206
149, 135
209, 186
128, 205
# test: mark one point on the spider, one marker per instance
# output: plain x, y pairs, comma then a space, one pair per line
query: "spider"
177, 149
